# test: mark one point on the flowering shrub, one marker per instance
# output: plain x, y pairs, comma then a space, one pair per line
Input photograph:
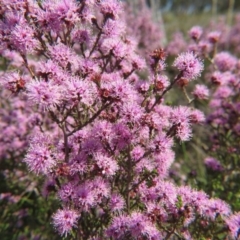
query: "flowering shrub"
222, 120
101, 134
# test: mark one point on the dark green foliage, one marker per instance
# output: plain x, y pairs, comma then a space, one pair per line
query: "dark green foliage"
25, 214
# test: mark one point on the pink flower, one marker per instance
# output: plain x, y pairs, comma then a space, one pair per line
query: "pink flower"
162, 143
233, 223
67, 11
107, 165
196, 32
201, 92
197, 116
40, 159
22, 39
180, 117
51, 70
137, 62
223, 92
161, 83
113, 28
142, 86
118, 227
213, 37
122, 136
225, 61
214, 207
163, 162
217, 78
13, 81
66, 192
53, 15
237, 128
139, 226
80, 91
82, 36
189, 65
61, 54
110, 8
100, 188
118, 48
64, 220
45, 94
204, 47
84, 196
213, 164
116, 202
137, 152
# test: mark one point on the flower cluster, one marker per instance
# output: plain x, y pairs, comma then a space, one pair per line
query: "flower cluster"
221, 87
103, 136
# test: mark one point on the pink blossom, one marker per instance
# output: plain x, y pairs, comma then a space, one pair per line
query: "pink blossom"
217, 78
204, 47
223, 92
197, 116
213, 164
139, 225
161, 83
22, 39
67, 192
51, 70
180, 117
84, 197
118, 48
137, 62
100, 188
213, 37
107, 141
118, 226
113, 28
61, 54
196, 32
163, 162
82, 36
233, 223
225, 61
45, 94
116, 202
137, 152
143, 86
189, 65
80, 91
13, 81
201, 92
107, 165
110, 8
40, 159
237, 128
215, 207
64, 220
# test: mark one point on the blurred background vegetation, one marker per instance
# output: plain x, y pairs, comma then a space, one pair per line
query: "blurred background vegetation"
181, 15
195, 6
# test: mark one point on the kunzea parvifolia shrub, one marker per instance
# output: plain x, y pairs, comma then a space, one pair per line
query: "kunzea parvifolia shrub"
108, 143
